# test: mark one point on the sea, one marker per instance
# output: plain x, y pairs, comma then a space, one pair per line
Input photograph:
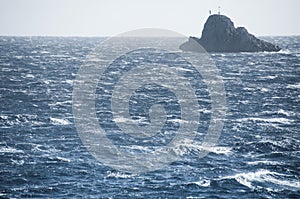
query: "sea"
43, 156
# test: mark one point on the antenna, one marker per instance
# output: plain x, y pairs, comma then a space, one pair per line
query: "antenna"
219, 8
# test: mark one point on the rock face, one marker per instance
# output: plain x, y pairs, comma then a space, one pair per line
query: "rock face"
220, 35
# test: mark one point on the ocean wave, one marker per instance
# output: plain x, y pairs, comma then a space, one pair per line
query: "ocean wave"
8, 149
55, 159
20, 120
63, 159
45, 149
111, 174
259, 147
282, 51
294, 86
137, 148
265, 162
203, 183
248, 179
277, 112
266, 120
18, 162
195, 148
181, 149
59, 121
64, 103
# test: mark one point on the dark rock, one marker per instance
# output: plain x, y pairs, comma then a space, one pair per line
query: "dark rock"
220, 35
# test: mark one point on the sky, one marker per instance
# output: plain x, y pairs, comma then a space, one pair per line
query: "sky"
111, 17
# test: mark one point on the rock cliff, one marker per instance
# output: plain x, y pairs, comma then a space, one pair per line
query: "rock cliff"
220, 35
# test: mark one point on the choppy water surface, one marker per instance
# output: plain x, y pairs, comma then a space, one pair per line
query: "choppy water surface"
42, 155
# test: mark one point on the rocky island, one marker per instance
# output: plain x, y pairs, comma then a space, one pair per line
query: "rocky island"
220, 35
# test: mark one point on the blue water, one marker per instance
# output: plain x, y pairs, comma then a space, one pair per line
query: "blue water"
41, 154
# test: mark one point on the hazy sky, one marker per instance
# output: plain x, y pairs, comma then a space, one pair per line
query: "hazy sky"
110, 17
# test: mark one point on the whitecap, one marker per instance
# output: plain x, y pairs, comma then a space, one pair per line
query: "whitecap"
248, 89
198, 148
202, 183
63, 159
119, 175
284, 112
6, 69
8, 149
264, 89
58, 121
267, 120
184, 69
4, 117
60, 103
294, 86
284, 51
18, 162
218, 150
137, 148
121, 120
47, 81
262, 175
181, 121
265, 162
269, 77
68, 81
19, 57
29, 76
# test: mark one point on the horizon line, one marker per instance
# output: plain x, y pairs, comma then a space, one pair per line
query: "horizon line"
13, 35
